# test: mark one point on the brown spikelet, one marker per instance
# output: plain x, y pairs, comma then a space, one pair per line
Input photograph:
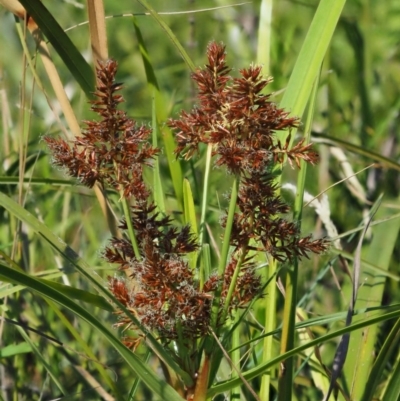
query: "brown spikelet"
111, 151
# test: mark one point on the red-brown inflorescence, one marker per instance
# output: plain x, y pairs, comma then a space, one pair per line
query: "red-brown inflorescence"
238, 119
240, 122
161, 290
111, 151
166, 296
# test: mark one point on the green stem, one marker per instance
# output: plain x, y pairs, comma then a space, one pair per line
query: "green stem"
285, 386
127, 214
232, 285
235, 358
239, 264
225, 251
131, 231
228, 227
203, 274
200, 393
270, 325
205, 194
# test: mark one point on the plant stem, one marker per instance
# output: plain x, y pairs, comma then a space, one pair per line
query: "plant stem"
200, 393
288, 332
270, 323
203, 273
228, 227
205, 194
235, 357
232, 285
131, 231
210, 342
225, 251
285, 386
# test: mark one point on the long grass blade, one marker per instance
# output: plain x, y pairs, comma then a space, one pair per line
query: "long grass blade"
288, 334
160, 114
342, 350
370, 293
63, 45
43, 231
54, 78
311, 56
359, 150
158, 192
264, 367
142, 370
392, 390
15, 349
169, 33
264, 37
389, 348
77, 335
47, 365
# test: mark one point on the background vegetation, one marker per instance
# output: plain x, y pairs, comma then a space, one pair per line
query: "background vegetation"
354, 108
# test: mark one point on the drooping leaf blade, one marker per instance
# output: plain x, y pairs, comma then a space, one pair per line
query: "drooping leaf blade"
143, 371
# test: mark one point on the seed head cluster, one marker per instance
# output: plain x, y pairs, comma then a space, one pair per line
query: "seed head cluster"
111, 151
240, 122
166, 296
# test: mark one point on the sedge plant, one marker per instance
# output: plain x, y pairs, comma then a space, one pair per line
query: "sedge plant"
192, 310
206, 316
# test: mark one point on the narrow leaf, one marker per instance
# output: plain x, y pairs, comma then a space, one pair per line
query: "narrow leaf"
15, 349
63, 45
160, 114
157, 385
169, 33
263, 368
190, 217
42, 230
48, 366
311, 56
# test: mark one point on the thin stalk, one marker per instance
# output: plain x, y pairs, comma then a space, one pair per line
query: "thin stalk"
228, 227
205, 267
270, 325
205, 194
285, 386
137, 381
200, 393
232, 285
131, 231
222, 265
235, 358
158, 193
127, 214
204, 271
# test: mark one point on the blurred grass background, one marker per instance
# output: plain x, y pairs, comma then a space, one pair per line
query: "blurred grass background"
357, 102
